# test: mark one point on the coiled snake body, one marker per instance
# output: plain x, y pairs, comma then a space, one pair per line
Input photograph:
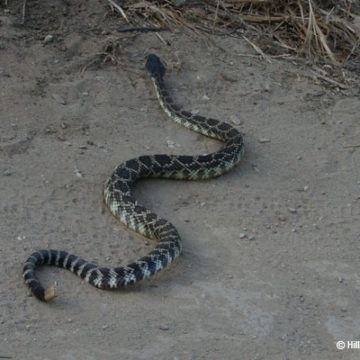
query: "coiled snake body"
124, 206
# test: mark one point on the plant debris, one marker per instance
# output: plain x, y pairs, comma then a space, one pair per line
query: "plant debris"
321, 30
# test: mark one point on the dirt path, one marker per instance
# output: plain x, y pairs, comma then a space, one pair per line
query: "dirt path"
270, 268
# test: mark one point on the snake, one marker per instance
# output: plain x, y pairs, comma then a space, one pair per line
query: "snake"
122, 204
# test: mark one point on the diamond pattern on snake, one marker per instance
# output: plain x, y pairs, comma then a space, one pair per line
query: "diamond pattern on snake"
122, 204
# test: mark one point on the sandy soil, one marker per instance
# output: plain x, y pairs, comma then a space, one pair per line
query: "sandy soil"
270, 268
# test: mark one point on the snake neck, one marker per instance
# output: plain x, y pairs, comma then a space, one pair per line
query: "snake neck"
206, 126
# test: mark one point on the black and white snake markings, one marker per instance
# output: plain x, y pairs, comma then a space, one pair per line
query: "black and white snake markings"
118, 197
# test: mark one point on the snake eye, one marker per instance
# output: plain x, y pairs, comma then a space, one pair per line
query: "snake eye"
154, 66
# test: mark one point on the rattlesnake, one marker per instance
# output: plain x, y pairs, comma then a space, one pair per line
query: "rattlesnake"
122, 204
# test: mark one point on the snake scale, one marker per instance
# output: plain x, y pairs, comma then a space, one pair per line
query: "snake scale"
122, 204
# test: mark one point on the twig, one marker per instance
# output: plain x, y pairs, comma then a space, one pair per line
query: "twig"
280, 56
314, 31
23, 12
216, 14
121, 11
248, 55
331, 81
351, 146
258, 50
165, 42
140, 29
356, 45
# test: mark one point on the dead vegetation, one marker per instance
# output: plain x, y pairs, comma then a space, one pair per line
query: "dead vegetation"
321, 30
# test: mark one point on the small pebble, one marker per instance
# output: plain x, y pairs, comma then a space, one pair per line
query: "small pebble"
163, 327
69, 320
203, 203
58, 99
205, 98
48, 38
7, 172
235, 120
252, 238
78, 173
242, 235
170, 144
306, 188
266, 87
264, 140
292, 210
85, 93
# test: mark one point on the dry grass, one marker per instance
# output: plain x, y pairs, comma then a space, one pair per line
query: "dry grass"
322, 30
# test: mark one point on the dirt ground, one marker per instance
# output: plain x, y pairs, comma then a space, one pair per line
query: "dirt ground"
270, 268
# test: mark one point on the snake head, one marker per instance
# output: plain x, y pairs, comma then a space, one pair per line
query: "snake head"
155, 67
